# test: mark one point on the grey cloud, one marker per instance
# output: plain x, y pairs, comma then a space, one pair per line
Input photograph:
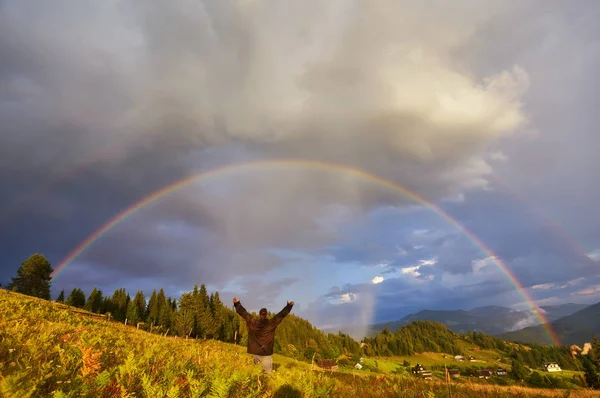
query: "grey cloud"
559, 42
261, 293
107, 103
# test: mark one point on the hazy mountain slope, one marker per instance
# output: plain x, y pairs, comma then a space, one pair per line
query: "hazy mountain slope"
576, 328
491, 320
555, 312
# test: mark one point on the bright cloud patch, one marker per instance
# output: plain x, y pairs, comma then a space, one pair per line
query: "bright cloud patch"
547, 286
348, 297
573, 282
544, 286
414, 270
433, 261
480, 264
594, 255
589, 291
377, 279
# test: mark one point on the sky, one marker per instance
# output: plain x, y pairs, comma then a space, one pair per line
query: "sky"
485, 109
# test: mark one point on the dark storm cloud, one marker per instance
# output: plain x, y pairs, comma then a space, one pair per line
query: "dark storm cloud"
112, 102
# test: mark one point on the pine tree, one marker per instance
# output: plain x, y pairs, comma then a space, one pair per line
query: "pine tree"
152, 312
76, 298
218, 315
595, 352
94, 301
132, 316
33, 277
206, 317
202, 316
518, 371
61, 297
592, 374
166, 314
184, 318
107, 305
160, 304
120, 301
139, 301
197, 329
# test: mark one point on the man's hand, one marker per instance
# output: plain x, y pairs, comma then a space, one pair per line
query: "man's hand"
290, 303
236, 300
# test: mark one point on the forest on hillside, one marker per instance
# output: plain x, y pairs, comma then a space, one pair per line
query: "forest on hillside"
199, 314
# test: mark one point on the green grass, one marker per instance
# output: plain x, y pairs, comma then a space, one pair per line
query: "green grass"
48, 350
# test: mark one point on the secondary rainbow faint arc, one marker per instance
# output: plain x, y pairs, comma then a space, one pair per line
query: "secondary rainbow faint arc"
306, 164
553, 225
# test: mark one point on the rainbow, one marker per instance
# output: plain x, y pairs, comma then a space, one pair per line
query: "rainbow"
552, 225
315, 165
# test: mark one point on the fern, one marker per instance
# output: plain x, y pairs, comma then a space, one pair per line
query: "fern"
39, 356
13, 386
219, 388
174, 392
102, 379
149, 388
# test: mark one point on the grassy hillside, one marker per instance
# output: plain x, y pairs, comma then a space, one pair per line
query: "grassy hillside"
48, 350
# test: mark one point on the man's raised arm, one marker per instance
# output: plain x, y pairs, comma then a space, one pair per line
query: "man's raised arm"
239, 308
282, 314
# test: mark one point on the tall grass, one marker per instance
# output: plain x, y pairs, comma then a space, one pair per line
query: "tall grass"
47, 350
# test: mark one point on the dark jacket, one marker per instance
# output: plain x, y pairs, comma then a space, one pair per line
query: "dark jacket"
261, 333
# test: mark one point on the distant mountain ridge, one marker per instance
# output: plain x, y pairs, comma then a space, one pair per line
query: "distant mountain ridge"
492, 320
576, 328
555, 312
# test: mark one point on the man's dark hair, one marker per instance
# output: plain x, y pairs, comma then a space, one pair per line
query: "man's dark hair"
263, 311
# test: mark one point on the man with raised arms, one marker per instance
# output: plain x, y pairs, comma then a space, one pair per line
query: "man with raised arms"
261, 332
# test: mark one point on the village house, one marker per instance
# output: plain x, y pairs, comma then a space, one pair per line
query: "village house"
552, 367
358, 366
455, 373
459, 358
485, 373
471, 358
419, 370
328, 364
501, 372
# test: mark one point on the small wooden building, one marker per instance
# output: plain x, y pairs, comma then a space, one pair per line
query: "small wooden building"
328, 364
552, 367
455, 373
485, 373
420, 371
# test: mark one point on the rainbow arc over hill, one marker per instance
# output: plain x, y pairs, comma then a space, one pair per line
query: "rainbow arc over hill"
300, 164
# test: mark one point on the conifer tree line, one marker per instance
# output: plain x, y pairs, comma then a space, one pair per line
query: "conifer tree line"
417, 337
198, 314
